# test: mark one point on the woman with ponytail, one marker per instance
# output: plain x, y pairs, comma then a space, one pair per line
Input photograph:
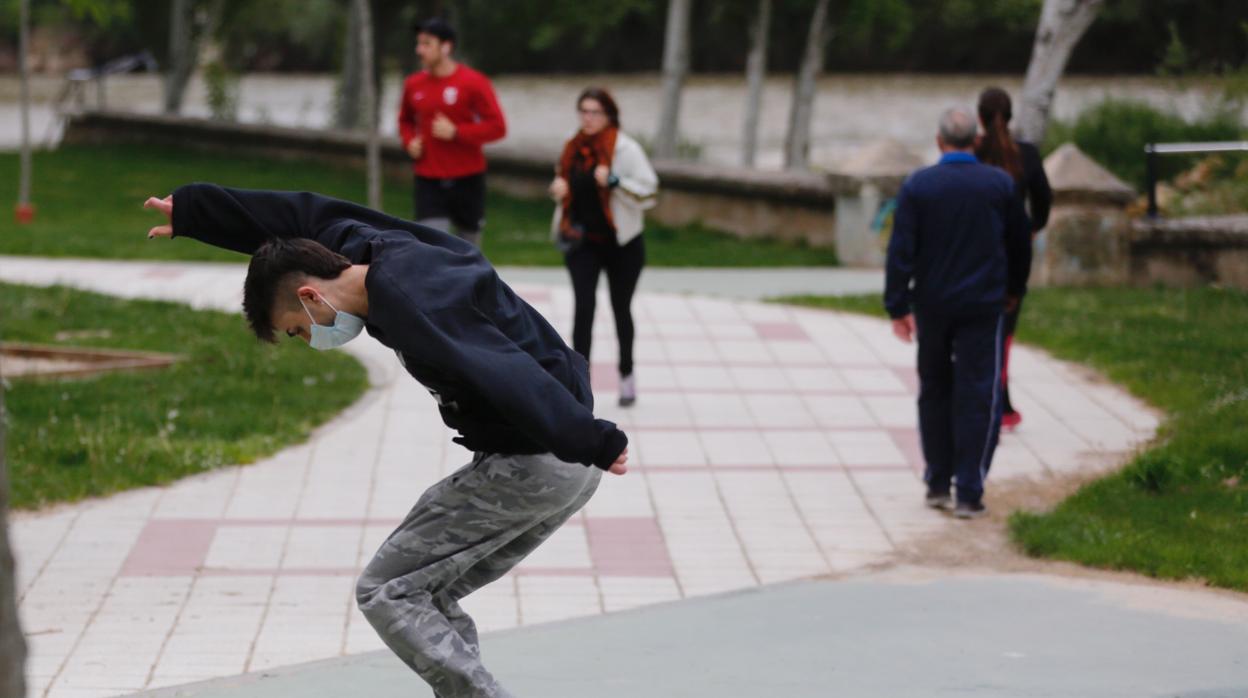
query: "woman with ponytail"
602, 184
1022, 161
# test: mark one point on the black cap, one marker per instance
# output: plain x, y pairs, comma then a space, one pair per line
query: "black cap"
437, 27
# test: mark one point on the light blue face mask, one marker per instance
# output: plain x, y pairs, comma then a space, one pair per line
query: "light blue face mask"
346, 327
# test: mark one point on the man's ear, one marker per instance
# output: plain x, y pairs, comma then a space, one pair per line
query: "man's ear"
308, 294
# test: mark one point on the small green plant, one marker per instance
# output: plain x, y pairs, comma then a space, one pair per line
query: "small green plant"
222, 85
1150, 472
1176, 60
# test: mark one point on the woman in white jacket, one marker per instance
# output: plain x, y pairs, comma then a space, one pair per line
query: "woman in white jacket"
602, 185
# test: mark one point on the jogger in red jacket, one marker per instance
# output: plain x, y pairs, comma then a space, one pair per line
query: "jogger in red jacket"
448, 112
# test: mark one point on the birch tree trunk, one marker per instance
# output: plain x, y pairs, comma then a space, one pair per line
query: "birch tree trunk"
12, 642
1062, 24
801, 112
23, 69
675, 68
369, 103
182, 54
755, 75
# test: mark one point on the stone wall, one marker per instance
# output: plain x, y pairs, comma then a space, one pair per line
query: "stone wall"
747, 203
1190, 251
1091, 241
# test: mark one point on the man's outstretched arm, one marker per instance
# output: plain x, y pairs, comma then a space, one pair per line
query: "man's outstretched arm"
244, 219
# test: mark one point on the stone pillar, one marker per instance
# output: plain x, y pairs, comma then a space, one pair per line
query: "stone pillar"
866, 185
1087, 240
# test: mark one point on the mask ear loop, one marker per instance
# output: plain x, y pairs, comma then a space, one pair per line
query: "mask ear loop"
305, 310
309, 313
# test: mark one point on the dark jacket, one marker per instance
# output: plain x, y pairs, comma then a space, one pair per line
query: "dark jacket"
501, 374
961, 236
1033, 189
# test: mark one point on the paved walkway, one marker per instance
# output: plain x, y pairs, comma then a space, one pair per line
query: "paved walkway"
903, 633
771, 444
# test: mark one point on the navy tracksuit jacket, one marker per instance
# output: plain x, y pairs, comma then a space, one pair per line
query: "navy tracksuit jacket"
960, 245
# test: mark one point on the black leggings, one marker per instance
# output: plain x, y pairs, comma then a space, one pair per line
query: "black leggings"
623, 266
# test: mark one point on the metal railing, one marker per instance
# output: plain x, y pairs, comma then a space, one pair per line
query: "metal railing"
1152, 150
73, 93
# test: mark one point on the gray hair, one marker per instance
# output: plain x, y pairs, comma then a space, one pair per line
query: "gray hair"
957, 127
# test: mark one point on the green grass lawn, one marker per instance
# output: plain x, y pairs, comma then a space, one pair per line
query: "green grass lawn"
1180, 509
232, 400
89, 205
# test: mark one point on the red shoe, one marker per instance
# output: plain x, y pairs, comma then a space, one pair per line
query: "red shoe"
1011, 420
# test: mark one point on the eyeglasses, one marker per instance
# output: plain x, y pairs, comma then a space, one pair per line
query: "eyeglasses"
591, 112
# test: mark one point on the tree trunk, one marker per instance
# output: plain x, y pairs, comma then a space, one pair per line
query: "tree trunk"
23, 69
675, 68
12, 642
797, 141
350, 87
1062, 24
183, 50
755, 75
373, 149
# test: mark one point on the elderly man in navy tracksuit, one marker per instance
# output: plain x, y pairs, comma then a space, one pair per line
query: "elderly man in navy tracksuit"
959, 256
326, 270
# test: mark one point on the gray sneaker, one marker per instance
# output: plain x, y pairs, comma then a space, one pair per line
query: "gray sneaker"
628, 390
938, 500
970, 510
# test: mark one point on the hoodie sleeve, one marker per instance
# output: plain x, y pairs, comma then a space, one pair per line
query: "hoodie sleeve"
462, 342
902, 248
244, 219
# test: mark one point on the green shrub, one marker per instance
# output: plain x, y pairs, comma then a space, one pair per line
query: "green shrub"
1150, 472
1114, 133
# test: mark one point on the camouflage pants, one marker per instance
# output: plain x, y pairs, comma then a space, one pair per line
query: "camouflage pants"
464, 532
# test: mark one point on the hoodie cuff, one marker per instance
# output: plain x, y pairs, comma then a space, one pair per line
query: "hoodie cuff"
614, 442
183, 202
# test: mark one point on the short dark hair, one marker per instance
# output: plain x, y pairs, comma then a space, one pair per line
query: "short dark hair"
436, 26
601, 96
274, 270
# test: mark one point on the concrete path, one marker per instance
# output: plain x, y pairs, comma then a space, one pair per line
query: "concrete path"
876, 636
772, 444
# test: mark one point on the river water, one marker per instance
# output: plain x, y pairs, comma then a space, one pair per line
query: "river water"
850, 110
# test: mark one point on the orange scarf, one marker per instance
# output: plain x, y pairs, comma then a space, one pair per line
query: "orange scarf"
584, 152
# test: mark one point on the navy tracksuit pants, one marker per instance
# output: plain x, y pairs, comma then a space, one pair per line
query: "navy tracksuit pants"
959, 397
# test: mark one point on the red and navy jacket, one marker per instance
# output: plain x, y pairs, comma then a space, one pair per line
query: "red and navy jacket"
961, 241
502, 376
467, 99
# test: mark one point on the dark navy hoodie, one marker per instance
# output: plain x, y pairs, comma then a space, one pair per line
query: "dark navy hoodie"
502, 376
960, 234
